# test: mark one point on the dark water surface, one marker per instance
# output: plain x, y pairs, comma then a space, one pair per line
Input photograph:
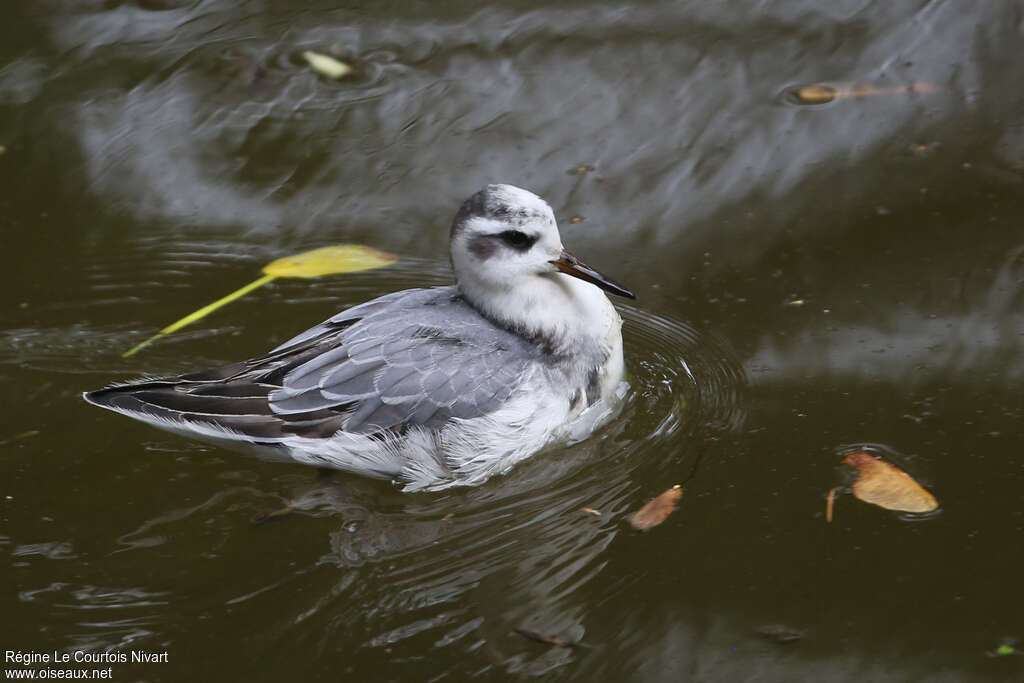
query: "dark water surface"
809, 278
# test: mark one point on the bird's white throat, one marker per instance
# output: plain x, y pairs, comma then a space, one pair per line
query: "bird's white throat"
564, 312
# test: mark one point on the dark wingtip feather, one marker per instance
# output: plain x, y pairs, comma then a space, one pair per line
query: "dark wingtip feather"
98, 397
107, 396
239, 408
119, 398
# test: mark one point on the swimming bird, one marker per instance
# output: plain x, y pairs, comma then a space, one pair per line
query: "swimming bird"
431, 387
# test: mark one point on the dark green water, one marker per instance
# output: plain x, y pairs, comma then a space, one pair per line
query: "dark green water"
158, 153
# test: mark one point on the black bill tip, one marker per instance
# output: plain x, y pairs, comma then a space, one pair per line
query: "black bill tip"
570, 265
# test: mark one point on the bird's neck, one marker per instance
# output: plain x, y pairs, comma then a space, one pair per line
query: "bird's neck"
562, 314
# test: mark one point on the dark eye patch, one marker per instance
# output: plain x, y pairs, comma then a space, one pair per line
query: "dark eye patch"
517, 239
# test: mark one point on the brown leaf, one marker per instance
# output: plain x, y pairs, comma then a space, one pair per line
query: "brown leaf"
816, 94
821, 93
658, 510
887, 486
829, 504
541, 638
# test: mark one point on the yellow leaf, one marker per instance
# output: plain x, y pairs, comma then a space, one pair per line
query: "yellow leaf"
326, 65
887, 486
820, 93
343, 258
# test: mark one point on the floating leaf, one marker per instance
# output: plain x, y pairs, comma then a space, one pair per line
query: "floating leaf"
342, 258
592, 511
821, 93
830, 504
887, 486
541, 638
816, 94
326, 65
1005, 649
657, 510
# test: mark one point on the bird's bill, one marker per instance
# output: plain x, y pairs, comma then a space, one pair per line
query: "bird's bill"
570, 265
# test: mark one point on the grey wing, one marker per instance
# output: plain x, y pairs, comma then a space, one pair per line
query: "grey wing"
418, 357
417, 362
350, 315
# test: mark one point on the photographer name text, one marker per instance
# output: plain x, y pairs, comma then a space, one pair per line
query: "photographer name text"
31, 657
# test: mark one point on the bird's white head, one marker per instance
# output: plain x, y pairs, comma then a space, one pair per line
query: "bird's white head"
510, 263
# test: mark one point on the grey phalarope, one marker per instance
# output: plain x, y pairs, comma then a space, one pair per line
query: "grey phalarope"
427, 387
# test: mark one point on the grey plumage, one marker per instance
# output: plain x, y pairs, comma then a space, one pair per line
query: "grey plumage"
397, 368
431, 387
381, 366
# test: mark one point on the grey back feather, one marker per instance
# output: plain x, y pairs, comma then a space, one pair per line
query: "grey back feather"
419, 359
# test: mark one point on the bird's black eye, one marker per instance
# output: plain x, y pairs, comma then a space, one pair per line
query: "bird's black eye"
519, 241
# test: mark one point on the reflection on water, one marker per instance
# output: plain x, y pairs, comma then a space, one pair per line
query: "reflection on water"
984, 337
156, 154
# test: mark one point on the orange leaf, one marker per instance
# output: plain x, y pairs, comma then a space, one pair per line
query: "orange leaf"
830, 504
816, 94
887, 486
658, 510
